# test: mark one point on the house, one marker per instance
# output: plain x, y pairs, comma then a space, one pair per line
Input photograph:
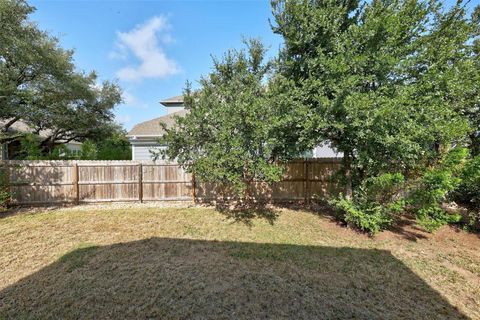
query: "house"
144, 136
9, 151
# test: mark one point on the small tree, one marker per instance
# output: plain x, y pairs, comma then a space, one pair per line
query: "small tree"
30, 148
229, 134
115, 146
88, 150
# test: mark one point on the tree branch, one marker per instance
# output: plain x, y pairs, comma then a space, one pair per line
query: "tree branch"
9, 123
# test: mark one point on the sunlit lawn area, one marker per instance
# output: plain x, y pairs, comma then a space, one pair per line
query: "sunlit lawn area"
197, 263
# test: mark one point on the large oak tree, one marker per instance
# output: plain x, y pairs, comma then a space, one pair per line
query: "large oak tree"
40, 86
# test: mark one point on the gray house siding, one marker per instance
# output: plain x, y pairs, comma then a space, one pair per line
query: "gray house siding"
325, 151
175, 108
142, 150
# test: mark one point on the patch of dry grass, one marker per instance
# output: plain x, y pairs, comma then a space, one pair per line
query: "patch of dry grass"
197, 263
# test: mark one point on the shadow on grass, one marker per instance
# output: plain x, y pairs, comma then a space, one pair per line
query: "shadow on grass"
406, 227
247, 212
193, 279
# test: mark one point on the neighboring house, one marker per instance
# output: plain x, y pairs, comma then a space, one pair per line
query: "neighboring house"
143, 137
325, 151
9, 150
74, 146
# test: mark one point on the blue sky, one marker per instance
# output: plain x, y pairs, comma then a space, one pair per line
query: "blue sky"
152, 47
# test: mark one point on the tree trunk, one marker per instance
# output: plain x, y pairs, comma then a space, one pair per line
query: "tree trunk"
347, 168
475, 144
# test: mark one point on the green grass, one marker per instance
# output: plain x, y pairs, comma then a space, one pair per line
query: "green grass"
198, 263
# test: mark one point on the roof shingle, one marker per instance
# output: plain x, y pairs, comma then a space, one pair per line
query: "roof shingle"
153, 128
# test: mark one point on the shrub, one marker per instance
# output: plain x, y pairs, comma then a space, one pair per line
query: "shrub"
375, 206
433, 217
368, 216
4, 194
432, 189
468, 192
473, 220
4, 198
379, 201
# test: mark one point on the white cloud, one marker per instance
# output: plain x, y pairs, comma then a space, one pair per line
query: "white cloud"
120, 52
131, 101
143, 42
123, 119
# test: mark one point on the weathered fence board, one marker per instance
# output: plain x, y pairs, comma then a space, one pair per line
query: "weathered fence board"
44, 182
303, 180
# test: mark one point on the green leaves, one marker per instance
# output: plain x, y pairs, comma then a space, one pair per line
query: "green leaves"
375, 205
232, 133
394, 86
434, 186
41, 87
383, 78
468, 192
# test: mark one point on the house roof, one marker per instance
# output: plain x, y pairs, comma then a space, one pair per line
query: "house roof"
153, 128
172, 100
21, 127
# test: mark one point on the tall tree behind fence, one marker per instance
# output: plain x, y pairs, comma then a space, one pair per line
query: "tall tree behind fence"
48, 182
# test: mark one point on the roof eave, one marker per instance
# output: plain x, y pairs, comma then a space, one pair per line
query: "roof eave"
169, 103
143, 135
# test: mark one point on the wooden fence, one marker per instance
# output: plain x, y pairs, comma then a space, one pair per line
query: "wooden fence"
48, 182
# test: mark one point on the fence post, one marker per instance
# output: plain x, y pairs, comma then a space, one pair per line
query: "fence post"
6, 180
307, 183
76, 189
194, 194
140, 183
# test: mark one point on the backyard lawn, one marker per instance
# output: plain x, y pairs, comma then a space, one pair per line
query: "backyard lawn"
198, 263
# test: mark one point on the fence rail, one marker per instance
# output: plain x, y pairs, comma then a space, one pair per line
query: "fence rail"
49, 182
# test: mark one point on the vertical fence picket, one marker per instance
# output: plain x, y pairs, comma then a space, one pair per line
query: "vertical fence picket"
307, 182
76, 189
140, 182
194, 193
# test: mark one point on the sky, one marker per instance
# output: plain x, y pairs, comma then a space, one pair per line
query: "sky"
151, 48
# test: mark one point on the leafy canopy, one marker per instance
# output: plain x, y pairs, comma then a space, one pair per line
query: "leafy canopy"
113, 146
41, 87
393, 84
385, 81
231, 133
